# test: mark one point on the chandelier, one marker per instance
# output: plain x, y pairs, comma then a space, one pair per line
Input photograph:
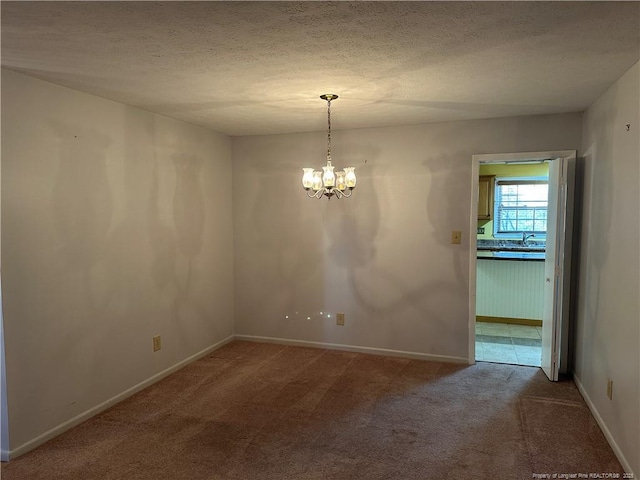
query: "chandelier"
339, 184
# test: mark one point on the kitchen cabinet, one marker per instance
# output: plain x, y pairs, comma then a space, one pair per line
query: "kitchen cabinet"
485, 197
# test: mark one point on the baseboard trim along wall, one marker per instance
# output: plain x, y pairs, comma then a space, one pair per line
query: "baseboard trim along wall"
352, 348
515, 321
603, 427
31, 444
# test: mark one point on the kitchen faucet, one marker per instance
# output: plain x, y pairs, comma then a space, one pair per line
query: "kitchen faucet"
525, 237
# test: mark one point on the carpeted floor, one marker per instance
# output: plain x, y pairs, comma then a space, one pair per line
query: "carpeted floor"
262, 411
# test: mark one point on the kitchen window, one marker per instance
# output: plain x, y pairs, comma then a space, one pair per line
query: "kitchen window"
520, 206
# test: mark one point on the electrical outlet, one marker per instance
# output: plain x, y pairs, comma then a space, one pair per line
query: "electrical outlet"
157, 343
456, 237
610, 389
340, 319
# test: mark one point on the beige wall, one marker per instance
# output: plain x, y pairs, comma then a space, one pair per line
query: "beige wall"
608, 326
383, 257
116, 226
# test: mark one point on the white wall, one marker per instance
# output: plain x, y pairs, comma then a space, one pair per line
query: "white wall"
608, 317
116, 226
383, 256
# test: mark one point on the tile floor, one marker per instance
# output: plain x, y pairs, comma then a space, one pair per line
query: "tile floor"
506, 343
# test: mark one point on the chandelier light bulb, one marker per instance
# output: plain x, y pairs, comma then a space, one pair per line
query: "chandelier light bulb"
307, 178
350, 177
317, 181
341, 184
328, 178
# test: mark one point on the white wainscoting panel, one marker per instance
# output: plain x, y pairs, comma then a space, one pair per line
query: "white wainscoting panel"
511, 289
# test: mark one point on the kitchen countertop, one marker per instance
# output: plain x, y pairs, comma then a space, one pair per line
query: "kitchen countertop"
534, 255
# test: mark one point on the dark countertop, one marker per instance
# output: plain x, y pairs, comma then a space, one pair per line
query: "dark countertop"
518, 255
511, 248
507, 249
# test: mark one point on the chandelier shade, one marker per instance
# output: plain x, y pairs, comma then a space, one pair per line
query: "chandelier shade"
327, 183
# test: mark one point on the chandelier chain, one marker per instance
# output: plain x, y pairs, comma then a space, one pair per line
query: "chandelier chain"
329, 129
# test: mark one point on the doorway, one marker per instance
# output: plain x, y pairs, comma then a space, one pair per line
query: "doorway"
511, 243
519, 266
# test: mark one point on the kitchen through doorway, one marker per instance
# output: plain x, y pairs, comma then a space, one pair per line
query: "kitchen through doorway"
528, 253
510, 274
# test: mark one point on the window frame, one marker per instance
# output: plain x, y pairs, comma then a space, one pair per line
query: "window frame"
513, 235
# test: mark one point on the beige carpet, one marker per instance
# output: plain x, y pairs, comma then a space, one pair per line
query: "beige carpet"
262, 411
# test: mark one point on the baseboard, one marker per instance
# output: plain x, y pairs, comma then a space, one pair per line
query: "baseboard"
603, 427
39, 440
351, 348
514, 321
4, 455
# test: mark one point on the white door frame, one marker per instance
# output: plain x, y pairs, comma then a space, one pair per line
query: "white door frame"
476, 160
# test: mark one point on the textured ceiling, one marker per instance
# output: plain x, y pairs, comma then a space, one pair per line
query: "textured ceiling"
258, 67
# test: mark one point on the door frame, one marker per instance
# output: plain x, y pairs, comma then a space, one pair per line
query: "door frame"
476, 160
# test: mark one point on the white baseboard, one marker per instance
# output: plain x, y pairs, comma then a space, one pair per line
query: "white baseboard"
603, 427
351, 348
39, 440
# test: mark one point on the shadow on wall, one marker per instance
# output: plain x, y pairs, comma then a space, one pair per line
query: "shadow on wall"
285, 242
383, 282
352, 227
188, 207
82, 200
73, 296
182, 263
90, 288
599, 170
175, 226
450, 186
131, 259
